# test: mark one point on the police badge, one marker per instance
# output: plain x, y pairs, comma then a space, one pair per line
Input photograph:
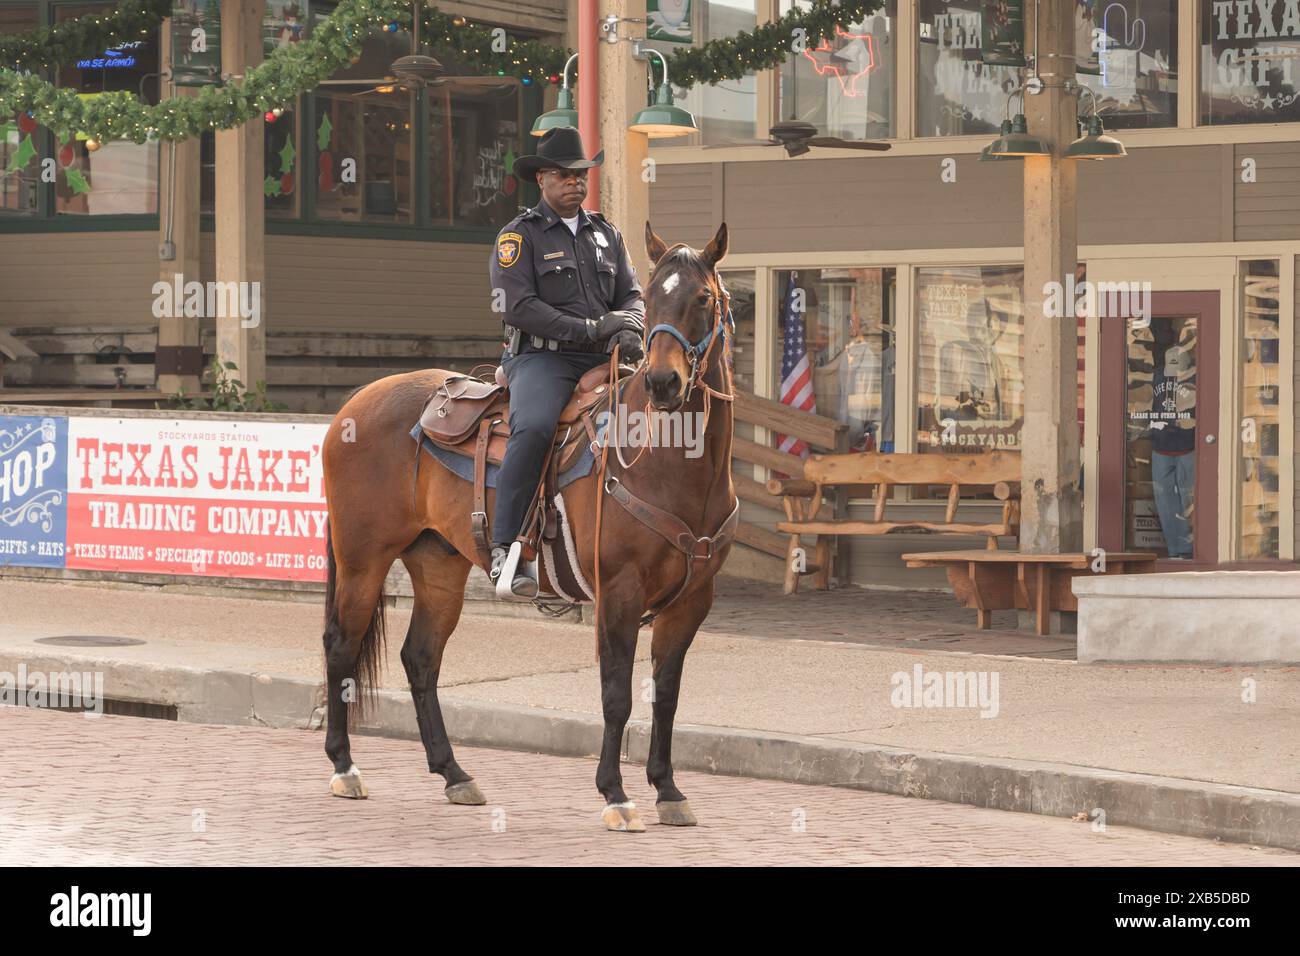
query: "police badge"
508, 249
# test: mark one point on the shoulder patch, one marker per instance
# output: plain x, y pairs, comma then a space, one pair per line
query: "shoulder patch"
508, 246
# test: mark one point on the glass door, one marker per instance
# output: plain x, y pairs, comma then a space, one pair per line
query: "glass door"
1159, 439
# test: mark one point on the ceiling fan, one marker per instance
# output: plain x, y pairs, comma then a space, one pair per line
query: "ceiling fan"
416, 71
797, 137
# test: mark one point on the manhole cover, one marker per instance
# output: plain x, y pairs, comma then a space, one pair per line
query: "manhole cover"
89, 640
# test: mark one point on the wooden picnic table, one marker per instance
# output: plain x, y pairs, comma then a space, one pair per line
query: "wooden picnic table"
991, 581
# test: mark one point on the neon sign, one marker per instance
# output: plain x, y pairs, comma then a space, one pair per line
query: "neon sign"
117, 58
855, 59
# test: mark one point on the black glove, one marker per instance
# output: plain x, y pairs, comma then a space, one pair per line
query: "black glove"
630, 347
611, 323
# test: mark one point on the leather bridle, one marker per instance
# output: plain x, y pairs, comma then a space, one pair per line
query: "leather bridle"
697, 353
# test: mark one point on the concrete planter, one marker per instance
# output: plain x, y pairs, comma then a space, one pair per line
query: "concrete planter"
1227, 617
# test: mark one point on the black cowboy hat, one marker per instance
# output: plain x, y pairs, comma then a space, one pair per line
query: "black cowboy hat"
559, 148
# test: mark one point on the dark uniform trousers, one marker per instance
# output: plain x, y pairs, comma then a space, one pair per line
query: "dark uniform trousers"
541, 384
554, 282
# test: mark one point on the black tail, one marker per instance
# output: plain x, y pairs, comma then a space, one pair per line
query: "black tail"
371, 655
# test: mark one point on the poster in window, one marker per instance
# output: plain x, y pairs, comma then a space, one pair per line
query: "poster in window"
969, 383
1002, 40
668, 20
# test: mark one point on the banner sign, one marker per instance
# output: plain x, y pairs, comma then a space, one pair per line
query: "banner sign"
164, 496
1002, 38
33, 490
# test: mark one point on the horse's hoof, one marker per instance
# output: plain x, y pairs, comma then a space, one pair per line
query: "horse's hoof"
675, 813
349, 784
622, 818
467, 793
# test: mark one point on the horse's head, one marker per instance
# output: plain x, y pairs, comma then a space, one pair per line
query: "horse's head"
685, 307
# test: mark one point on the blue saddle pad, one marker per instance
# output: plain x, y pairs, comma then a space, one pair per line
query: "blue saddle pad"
463, 467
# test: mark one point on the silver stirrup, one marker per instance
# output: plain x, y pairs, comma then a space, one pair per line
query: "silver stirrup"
513, 568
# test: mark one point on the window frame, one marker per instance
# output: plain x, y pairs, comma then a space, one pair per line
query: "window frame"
46, 219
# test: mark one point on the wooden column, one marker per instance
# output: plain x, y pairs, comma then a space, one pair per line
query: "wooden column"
240, 214
178, 336
624, 193
1052, 516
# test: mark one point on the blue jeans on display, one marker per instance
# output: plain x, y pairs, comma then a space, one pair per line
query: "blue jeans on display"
1174, 477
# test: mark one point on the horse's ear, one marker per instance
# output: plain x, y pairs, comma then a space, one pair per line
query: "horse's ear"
716, 250
654, 246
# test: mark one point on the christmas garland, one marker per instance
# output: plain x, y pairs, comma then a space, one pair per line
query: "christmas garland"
768, 46
274, 84
336, 41
67, 41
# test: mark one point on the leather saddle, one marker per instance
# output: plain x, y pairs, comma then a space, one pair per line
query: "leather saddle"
461, 404
470, 416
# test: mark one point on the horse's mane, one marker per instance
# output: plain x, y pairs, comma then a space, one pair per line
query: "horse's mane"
682, 257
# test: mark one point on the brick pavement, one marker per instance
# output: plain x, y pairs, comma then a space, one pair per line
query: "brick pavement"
120, 791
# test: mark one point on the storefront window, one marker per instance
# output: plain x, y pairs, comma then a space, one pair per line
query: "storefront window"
723, 111
121, 176
970, 383
1261, 411
741, 285
284, 24
19, 135
957, 93
280, 146
1127, 54
475, 134
365, 165
1249, 62
835, 352
844, 86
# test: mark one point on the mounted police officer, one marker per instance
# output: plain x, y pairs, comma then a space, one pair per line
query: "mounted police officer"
570, 295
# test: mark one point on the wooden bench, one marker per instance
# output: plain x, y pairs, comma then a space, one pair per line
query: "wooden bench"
1002, 580
857, 474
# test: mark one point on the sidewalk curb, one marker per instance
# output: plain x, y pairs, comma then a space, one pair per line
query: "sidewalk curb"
1187, 807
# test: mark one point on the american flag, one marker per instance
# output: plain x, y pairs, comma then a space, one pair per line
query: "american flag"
796, 371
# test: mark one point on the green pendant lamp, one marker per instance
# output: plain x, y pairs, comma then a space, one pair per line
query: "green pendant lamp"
661, 118
1096, 145
986, 154
564, 114
1017, 142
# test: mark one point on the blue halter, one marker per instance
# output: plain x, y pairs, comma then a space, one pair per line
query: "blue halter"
695, 351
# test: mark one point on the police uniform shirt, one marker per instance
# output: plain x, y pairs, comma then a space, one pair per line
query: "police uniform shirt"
553, 280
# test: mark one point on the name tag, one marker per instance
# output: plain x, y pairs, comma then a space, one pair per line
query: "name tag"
553, 255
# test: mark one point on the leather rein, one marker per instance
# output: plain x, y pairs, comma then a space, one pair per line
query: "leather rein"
698, 551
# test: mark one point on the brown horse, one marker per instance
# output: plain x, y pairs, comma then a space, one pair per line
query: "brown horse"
665, 524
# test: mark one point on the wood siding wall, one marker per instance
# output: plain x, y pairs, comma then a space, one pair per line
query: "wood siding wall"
1171, 194
82, 278
106, 278
1268, 208
374, 285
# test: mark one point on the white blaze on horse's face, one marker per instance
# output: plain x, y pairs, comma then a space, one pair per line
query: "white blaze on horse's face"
671, 282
